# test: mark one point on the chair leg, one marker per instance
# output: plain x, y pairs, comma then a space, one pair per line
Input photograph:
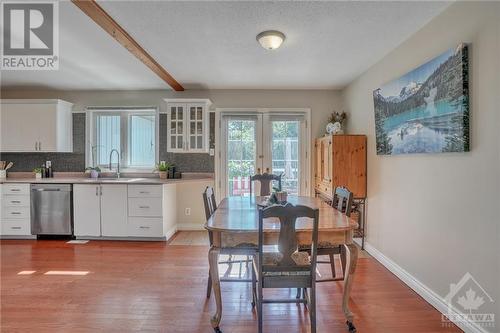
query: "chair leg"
332, 264
209, 285
254, 288
299, 291
259, 306
312, 308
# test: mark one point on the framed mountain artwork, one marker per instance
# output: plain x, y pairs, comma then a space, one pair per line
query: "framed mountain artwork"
427, 109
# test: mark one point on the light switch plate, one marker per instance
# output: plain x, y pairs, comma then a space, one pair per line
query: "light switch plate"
212, 151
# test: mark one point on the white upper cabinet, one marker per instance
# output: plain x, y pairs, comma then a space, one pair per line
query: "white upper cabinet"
36, 125
188, 125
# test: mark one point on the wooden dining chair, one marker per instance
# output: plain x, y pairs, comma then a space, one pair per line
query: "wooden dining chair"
265, 181
286, 266
210, 208
342, 201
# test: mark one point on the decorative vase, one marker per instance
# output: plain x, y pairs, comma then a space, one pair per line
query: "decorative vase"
334, 128
38, 175
94, 174
163, 174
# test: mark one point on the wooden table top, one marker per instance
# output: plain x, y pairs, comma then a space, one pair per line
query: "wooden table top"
240, 214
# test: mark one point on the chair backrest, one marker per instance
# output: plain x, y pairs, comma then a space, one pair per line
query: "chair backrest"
342, 200
265, 180
287, 241
209, 201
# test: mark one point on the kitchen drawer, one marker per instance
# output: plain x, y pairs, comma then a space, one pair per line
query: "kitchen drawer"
145, 227
144, 191
16, 227
146, 207
14, 188
16, 213
16, 200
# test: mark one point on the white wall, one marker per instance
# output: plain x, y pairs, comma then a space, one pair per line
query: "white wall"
437, 215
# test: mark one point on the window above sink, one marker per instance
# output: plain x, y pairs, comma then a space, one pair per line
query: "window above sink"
133, 131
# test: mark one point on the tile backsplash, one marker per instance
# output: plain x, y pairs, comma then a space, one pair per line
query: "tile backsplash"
75, 161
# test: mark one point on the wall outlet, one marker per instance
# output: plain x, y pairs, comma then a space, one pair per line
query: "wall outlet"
211, 152
187, 211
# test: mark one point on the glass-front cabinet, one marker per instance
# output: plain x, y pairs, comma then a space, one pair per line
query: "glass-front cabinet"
188, 125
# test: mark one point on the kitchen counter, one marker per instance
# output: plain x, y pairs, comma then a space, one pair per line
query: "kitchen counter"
62, 179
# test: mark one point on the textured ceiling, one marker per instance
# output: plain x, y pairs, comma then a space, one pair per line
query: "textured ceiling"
212, 44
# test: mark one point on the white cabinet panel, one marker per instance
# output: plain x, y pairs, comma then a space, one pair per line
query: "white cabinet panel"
36, 126
16, 212
16, 200
114, 210
16, 227
86, 210
144, 191
145, 226
144, 207
16, 189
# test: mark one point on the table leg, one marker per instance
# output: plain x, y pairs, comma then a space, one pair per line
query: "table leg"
351, 253
213, 260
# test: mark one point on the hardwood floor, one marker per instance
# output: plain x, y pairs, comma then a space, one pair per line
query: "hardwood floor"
155, 287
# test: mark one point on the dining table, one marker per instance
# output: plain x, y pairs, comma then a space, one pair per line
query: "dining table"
233, 229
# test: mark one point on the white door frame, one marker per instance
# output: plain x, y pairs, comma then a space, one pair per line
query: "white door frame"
220, 149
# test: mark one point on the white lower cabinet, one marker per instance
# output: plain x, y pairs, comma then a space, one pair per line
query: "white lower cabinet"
100, 210
114, 210
118, 210
15, 210
87, 210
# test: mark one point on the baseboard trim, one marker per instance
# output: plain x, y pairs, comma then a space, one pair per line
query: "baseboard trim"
171, 232
190, 227
425, 292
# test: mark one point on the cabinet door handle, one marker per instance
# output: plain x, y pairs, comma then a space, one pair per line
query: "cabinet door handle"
100, 190
39, 145
144, 207
16, 228
144, 192
15, 213
15, 190
15, 201
143, 227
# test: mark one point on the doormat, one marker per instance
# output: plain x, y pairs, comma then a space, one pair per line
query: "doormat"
77, 241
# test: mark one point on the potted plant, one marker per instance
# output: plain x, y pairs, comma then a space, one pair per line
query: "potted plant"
38, 173
94, 172
163, 168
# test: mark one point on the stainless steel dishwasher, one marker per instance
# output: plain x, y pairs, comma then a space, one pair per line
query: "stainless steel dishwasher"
51, 209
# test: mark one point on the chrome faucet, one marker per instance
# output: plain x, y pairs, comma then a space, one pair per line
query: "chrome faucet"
118, 167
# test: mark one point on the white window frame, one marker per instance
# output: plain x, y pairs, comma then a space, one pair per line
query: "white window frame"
187, 104
266, 114
90, 135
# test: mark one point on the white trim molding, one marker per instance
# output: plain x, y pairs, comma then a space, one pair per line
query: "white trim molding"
421, 289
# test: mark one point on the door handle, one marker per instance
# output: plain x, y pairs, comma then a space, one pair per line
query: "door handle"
100, 190
267, 170
96, 191
39, 145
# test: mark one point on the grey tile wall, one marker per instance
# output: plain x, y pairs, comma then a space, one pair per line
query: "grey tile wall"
67, 162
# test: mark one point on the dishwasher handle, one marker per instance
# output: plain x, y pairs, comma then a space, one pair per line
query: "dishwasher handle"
46, 189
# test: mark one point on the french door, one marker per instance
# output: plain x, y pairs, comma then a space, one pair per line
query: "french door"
263, 142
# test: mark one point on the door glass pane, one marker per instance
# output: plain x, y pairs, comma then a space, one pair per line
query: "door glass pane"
142, 140
192, 114
173, 114
241, 155
285, 153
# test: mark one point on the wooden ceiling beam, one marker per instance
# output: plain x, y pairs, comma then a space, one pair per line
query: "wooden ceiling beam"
99, 15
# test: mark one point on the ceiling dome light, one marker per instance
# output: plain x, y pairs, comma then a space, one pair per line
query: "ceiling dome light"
271, 39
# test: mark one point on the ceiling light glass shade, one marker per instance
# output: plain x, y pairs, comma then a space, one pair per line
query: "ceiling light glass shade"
271, 39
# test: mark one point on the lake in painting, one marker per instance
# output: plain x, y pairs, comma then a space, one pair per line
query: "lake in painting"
426, 110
